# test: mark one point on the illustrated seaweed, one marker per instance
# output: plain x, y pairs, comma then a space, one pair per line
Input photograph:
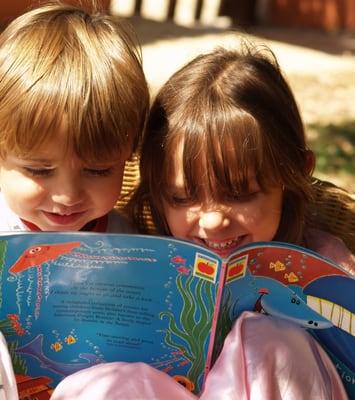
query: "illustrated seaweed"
11, 325
224, 324
194, 324
6, 327
3, 247
18, 363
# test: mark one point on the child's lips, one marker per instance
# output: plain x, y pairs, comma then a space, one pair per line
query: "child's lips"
64, 219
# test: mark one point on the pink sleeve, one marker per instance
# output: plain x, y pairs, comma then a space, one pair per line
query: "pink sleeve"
120, 380
331, 247
263, 358
272, 359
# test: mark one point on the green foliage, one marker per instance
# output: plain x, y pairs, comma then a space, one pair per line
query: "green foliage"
334, 147
224, 323
3, 246
19, 365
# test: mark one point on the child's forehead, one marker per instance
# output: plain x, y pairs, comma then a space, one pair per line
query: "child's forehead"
49, 151
51, 136
61, 146
51, 156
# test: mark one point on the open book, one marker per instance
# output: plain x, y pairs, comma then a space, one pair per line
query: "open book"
72, 300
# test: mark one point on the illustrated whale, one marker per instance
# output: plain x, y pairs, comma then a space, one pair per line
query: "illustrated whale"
333, 297
274, 298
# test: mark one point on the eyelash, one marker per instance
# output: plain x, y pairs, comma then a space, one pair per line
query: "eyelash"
46, 172
242, 197
180, 201
99, 172
38, 172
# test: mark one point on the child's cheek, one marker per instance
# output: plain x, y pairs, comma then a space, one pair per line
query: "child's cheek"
259, 212
179, 220
21, 187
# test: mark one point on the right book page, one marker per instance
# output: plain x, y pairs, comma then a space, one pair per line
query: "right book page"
297, 284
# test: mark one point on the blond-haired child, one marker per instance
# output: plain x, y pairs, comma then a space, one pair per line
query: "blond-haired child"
73, 104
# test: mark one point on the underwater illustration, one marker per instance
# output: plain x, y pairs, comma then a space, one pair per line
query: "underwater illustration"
306, 289
189, 333
73, 301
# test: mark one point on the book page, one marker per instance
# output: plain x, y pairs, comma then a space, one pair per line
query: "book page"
70, 301
297, 284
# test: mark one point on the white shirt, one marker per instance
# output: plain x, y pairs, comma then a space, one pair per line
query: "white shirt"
8, 388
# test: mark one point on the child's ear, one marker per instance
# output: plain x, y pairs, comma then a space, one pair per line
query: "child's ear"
310, 162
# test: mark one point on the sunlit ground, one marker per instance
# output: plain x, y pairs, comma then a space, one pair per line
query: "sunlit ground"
319, 67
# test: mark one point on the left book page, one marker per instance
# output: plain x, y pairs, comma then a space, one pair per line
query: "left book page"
70, 301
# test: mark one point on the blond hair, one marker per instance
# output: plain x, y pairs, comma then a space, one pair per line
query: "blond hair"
58, 60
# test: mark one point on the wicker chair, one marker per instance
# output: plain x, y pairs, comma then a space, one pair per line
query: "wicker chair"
333, 208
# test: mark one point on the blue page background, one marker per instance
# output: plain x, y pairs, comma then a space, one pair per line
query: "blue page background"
69, 301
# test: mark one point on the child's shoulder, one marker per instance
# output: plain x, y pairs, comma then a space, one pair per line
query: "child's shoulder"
9, 221
331, 247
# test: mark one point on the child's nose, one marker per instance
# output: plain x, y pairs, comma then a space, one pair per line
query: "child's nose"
68, 193
213, 220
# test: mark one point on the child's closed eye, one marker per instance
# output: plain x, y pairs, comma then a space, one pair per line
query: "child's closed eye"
180, 200
99, 172
243, 197
38, 172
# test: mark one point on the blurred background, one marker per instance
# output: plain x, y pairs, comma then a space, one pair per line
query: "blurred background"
314, 41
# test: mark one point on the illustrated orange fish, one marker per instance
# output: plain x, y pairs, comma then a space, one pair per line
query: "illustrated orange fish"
300, 268
56, 346
37, 255
70, 339
291, 277
277, 266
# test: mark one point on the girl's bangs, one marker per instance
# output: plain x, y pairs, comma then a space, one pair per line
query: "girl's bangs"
221, 153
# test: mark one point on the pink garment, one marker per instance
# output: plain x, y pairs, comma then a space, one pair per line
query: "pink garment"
331, 247
262, 358
120, 380
272, 359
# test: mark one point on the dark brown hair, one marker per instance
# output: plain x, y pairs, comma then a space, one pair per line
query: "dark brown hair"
235, 114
